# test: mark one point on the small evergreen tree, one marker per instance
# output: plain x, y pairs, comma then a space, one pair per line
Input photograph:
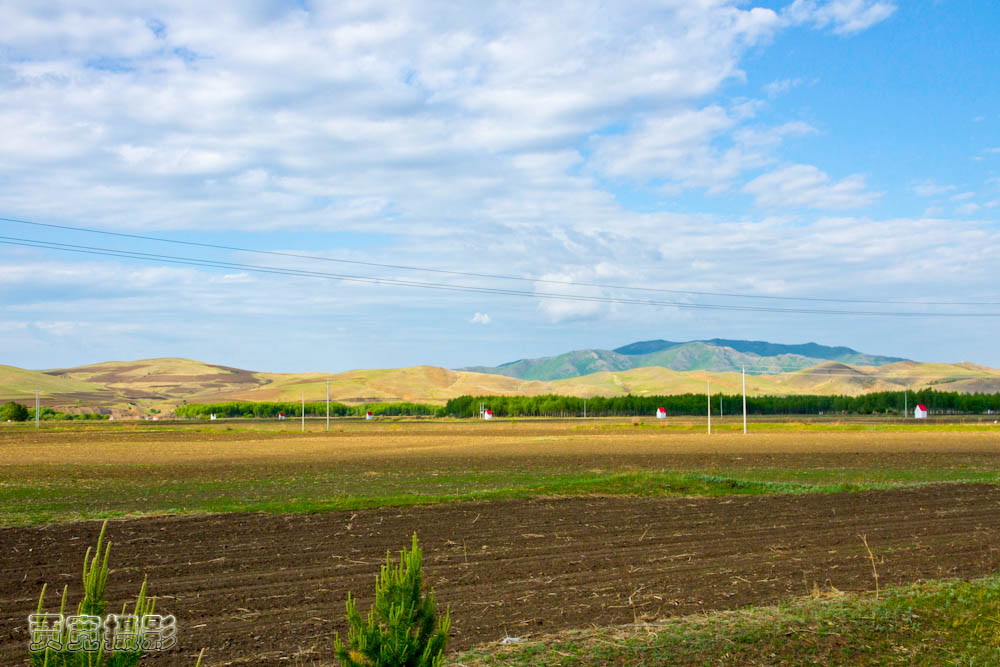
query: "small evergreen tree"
402, 629
14, 412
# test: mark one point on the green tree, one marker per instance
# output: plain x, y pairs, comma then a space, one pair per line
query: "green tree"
14, 412
400, 630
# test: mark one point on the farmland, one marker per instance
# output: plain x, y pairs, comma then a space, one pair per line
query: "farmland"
254, 533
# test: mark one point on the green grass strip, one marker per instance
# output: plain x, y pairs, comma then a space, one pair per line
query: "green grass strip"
936, 623
93, 497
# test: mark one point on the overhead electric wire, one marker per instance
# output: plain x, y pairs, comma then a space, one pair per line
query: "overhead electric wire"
172, 259
550, 281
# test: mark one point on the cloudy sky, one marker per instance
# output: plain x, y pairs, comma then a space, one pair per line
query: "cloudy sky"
787, 151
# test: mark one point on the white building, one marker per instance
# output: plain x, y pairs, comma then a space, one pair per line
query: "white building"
920, 412
369, 416
661, 413
487, 414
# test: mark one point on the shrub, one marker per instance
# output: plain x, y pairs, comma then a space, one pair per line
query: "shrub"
401, 629
14, 412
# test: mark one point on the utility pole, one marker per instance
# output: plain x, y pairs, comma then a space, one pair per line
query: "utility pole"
720, 406
36, 408
744, 400
303, 411
906, 408
708, 385
327, 405
584, 408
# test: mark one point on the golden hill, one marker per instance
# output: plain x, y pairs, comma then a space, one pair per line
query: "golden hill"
135, 387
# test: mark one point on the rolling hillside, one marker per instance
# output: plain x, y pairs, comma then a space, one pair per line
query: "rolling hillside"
136, 388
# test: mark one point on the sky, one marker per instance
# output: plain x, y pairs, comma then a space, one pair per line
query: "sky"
640, 160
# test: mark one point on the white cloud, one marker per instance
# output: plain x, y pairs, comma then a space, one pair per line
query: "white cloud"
805, 186
481, 318
962, 196
708, 147
149, 116
844, 16
968, 209
781, 86
478, 137
929, 188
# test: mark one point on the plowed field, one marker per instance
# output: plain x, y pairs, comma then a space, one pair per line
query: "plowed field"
270, 589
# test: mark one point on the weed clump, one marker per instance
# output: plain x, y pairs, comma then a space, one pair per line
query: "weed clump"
84, 639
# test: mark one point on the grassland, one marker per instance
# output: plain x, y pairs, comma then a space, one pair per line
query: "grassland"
93, 471
932, 623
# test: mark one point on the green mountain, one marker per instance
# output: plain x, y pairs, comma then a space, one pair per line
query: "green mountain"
719, 355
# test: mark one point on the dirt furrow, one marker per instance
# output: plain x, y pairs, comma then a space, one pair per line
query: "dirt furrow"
264, 587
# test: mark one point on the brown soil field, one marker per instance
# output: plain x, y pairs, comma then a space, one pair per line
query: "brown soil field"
270, 589
468, 441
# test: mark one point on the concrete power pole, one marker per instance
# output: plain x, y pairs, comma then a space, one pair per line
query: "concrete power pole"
327, 405
708, 389
744, 400
36, 408
303, 411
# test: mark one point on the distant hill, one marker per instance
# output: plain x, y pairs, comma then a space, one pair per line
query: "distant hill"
137, 388
716, 354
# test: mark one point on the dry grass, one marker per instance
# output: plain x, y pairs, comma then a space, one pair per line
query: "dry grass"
461, 440
523, 439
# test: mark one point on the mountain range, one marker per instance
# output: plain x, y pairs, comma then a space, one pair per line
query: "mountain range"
716, 354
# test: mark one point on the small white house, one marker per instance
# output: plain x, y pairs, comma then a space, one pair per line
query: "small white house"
661, 413
920, 412
487, 414
212, 417
369, 416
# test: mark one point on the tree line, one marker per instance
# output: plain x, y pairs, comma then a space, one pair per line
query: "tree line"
884, 402
271, 409
15, 412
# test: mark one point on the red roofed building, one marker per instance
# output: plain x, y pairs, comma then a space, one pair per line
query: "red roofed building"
488, 414
920, 412
661, 413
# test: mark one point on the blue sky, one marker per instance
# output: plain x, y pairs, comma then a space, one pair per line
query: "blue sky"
839, 149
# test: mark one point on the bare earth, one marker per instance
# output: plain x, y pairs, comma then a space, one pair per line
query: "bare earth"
270, 589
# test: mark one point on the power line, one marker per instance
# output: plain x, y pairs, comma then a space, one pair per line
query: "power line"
191, 261
573, 283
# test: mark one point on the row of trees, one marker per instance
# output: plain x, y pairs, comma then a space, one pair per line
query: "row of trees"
269, 409
886, 402
553, 405
15, 412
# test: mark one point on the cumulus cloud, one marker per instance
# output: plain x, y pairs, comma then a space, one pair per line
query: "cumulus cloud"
282, 118
805, 186
460, 137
